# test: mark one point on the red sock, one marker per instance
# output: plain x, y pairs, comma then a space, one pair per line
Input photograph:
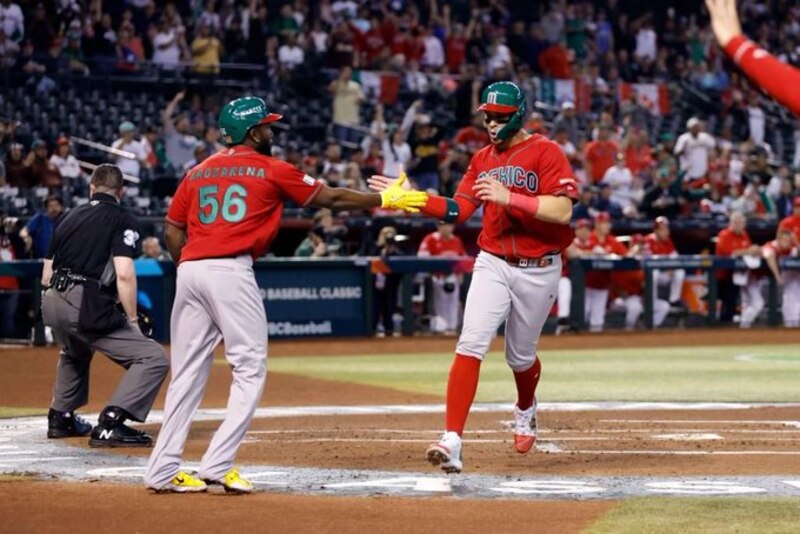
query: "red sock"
526, 384
461, 387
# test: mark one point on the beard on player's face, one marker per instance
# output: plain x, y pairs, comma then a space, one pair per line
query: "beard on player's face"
262, 139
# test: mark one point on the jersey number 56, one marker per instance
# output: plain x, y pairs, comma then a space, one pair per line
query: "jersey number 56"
234, 207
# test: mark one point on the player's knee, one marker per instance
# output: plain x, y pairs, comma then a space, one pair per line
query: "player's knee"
475, 347
520, 364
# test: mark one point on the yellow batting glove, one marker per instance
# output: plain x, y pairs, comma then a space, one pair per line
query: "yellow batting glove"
396, 197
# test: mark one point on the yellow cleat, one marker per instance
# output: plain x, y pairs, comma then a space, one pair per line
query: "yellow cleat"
234, 483
184, 483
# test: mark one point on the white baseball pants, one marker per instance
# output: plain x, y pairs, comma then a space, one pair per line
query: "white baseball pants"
215, 299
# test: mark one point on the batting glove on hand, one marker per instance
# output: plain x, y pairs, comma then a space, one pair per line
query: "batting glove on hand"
396, 196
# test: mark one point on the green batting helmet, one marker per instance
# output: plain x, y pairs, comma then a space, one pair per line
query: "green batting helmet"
238, 116
505, 97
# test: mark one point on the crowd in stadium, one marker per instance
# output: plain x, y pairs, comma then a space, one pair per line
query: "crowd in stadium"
632, 162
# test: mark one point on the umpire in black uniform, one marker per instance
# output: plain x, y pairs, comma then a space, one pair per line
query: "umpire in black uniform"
89, 266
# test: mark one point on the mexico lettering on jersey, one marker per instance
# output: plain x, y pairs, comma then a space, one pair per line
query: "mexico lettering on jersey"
659, 247
533, 167
231, 203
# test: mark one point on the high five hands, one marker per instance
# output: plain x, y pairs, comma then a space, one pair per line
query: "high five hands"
397, 193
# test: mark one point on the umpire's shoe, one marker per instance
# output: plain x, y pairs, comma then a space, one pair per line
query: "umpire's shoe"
66, 425
112, 432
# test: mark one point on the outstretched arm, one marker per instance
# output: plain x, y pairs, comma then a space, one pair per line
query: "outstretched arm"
456, 210
776, 78
547, 208
393, 196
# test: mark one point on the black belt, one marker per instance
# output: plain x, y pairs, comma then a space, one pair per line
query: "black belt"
525, 263
64, 279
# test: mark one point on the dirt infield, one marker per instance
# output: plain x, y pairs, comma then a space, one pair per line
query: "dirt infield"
117, 508
623, 443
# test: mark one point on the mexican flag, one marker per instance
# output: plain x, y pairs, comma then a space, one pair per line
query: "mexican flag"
382, 86
653, 96
556, 92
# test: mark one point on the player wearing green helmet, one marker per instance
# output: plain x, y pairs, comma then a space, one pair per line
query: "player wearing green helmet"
504, 104
224, 214
238, 117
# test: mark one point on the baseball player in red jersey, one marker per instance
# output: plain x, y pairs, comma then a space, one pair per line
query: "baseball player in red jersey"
781, 247
526, 187
601, 243
583, 231
445, 286
778, 79
225, 213
659, 244
792, 222
734, 241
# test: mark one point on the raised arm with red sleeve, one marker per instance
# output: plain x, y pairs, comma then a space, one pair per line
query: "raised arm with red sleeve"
776, 78
459, 208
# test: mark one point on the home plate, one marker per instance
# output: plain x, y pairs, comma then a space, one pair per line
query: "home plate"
688, 437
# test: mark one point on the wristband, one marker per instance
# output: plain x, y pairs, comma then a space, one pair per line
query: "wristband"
528, 204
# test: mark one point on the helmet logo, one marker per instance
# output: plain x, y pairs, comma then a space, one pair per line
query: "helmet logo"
491, 98
246, 112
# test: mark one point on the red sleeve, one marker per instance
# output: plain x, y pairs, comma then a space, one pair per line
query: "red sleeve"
555, 174
462, 251
776, 78
465, 199
724, 245
424, 247
618, 248
293, 183
178, 213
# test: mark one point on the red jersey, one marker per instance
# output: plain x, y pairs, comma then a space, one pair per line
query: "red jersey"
6, 255
778, 250
657, 247
792, 223
473, 138
601, 155
627, 283
727, 242
435, 245
533, 167
610, 245
455, 52
231, 203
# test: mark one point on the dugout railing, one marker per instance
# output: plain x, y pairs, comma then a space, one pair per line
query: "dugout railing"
334, 297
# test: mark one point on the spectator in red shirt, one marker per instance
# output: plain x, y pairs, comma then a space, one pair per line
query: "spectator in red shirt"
555, 61
445, 286
474, 136
599, 155
733, 241
792, 222
638, 154
372, 46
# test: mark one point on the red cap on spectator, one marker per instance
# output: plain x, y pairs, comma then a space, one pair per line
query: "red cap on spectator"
62, 140
661, 221
583, 223
603, 216
797, 202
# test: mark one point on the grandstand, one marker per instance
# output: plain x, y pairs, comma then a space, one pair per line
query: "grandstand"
84, 71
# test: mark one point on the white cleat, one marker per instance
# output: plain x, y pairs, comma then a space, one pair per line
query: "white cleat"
525, 429
446, 453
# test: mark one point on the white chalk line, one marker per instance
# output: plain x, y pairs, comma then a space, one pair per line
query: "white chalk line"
555, 432
687, 453
795, 424
38, 459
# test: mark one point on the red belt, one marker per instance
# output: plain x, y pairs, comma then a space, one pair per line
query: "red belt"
525, 263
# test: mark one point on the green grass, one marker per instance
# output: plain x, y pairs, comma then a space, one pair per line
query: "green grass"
769, 373
701, 515
15, 477
11, 411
